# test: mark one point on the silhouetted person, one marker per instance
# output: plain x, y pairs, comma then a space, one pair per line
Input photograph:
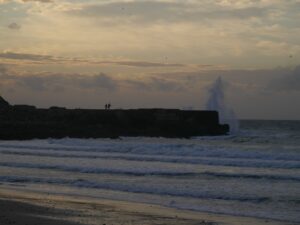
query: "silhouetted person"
108, 106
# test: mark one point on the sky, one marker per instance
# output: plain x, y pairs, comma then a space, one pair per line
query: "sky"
152, 54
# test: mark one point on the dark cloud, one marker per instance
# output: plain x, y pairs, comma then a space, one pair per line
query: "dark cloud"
154, 11
146, 64
3, 70
35, 83
14, 26
48, 82
288, 81
22, 56
96, 81
137, 84
165, 85
53, 59
156, 84
55, 81
264, 80
59, 81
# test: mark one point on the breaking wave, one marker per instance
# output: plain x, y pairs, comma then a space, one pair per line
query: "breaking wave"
147, 172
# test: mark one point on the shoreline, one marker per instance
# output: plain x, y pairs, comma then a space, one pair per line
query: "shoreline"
26, 208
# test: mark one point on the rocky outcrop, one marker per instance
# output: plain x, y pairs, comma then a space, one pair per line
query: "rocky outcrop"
28, 122
3, 103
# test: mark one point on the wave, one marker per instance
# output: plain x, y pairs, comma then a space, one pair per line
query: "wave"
150, 172
221, 203
82, 183
97, 170
253, 176
213, 161
161, 149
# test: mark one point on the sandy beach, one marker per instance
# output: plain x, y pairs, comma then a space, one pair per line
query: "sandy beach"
27, 208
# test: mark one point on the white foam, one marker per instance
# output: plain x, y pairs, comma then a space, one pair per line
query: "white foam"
216, 101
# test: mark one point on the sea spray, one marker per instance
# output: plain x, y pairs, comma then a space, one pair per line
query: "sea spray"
216, 101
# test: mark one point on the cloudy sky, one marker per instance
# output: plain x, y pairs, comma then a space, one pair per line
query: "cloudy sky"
159, 53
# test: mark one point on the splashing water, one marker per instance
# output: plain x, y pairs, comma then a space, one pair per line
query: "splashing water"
216, 101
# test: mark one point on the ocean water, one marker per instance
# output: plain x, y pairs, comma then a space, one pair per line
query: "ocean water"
254, 173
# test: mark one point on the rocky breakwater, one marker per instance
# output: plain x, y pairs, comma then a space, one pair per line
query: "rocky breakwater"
21, 122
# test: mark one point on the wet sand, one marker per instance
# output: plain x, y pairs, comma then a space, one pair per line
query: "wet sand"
28, 208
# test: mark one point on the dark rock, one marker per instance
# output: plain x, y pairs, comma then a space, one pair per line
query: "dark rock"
28, 122
24, 107
3, 103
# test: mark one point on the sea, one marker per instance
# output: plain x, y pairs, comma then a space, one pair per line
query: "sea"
254, 172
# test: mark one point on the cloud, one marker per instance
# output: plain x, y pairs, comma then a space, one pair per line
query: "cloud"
159, 11
101, 81
138, 85
255, 80
43, 1
288, 81
23, 56
35, 83
94, 82
145, 64
246, 80
14, 26
155, 84
25, 1
46, 81
53, 59
165, 85
3, 70
50, 82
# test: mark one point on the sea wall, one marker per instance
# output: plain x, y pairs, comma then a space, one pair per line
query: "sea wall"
27, 122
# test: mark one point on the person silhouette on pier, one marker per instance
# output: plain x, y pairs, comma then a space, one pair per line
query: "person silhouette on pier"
107, 106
